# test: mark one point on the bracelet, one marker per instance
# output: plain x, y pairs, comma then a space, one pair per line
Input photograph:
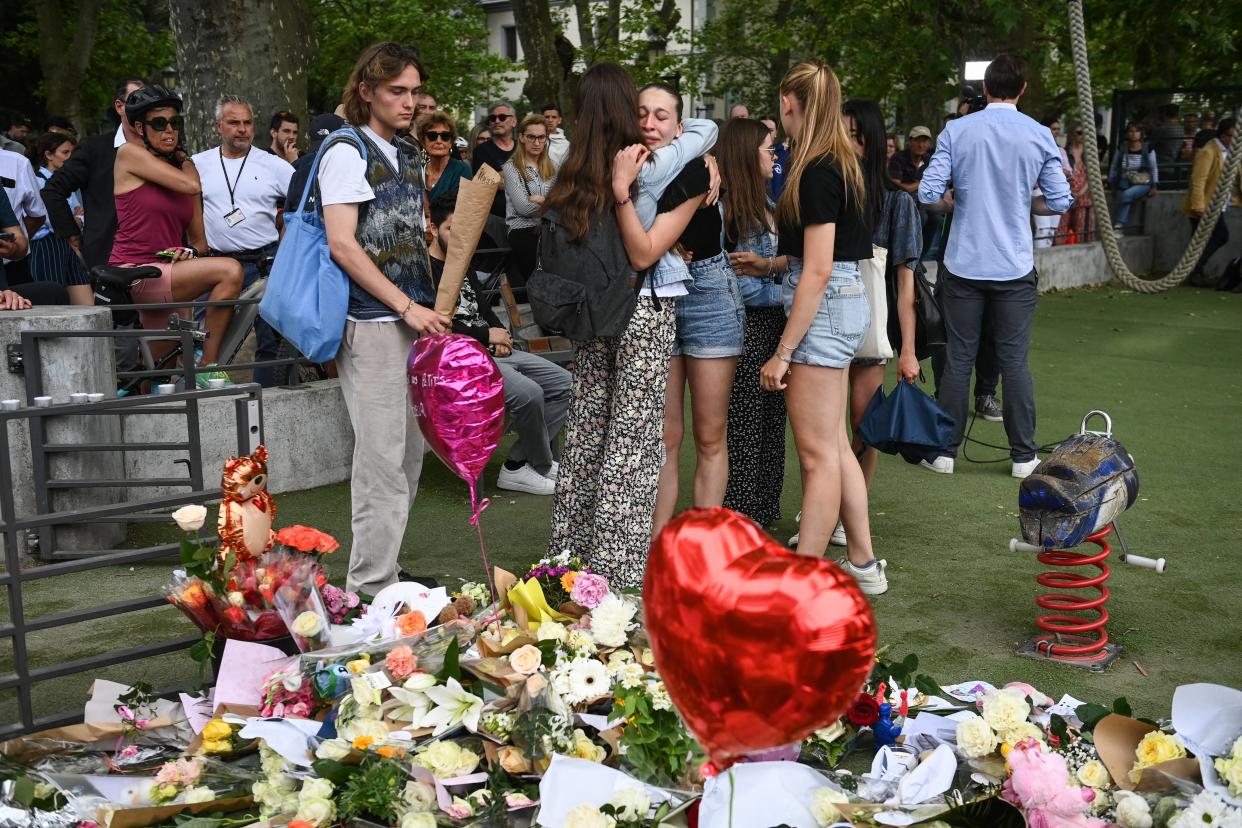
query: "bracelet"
408, 305
781, 344
624, 201
771, 266
782, 359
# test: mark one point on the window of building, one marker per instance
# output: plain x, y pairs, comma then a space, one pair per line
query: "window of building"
510, 46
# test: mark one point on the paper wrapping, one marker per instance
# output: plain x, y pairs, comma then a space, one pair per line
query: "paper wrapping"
1117, 737
474, 205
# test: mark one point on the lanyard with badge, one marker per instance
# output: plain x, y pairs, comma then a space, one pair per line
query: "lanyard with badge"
235, 216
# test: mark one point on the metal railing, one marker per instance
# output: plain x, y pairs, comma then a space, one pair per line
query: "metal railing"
23, 678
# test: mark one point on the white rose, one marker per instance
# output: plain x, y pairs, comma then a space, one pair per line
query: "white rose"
200, 794
316, 789
1093, 774
290, 805
824, 802
335, 749
418, 819
190, 518
374, 728
587, 815
551, 630
1005, 709
420, 796
526, 659
1132, 811
1020, 732
447, 760
976, 738
832, 732
307, 625
631, 804
236, 598
318, 812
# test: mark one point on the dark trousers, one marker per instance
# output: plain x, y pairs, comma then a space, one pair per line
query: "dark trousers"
524, 243
987, 371
266, 340
1218, 239
1008, 309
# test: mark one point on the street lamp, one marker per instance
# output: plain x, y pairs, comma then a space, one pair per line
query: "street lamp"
169, 76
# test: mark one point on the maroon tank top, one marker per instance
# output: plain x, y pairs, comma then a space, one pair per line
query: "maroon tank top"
149, 219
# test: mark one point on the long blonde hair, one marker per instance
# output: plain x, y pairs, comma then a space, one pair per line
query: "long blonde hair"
816, 88
544, 166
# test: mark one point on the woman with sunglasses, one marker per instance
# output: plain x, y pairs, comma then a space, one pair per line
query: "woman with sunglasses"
437, 132
529, 176
160, 221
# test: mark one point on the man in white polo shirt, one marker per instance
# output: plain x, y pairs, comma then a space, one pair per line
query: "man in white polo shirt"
243, 193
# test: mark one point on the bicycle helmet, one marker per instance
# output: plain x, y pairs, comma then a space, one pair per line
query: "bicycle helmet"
143, 100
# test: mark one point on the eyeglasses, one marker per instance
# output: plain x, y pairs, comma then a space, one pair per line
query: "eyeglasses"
161, 123
499, 116
431, 135
535, 139
769, 150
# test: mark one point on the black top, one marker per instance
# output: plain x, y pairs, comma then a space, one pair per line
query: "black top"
901, 167
702, 235
89, 169
495, 157
822, 200
472, 317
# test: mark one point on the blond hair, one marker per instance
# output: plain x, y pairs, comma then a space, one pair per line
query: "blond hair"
816, 88
544, 166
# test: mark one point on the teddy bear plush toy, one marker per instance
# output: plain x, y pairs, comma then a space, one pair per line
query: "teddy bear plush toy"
247, 510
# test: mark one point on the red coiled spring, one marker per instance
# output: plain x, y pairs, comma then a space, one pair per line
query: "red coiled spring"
1074, 637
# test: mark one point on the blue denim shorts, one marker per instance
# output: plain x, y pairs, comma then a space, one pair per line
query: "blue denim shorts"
842, 320
710, 317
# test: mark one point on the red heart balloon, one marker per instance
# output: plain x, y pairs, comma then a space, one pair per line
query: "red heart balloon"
759, 646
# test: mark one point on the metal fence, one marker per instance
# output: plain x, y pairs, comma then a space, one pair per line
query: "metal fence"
16, 574
1171, 135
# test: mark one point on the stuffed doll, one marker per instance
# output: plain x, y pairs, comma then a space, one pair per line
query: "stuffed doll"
247, 510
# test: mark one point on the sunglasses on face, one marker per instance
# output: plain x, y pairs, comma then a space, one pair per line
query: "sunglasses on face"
161, 123
437, 136
498, 117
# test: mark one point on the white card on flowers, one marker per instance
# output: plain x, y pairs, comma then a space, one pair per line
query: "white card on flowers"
763, 794
569, 783
389, 600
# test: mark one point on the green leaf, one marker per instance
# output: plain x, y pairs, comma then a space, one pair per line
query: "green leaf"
201, 651
1122, 707
23, 791
188, 551
928, 686
335, 772
548, 647
451, 668
1059, 728
1090, 714
910, 663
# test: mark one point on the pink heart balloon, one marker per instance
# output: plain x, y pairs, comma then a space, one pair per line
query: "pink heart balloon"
459, 398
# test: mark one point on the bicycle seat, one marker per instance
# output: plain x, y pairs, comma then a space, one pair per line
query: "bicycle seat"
122, 276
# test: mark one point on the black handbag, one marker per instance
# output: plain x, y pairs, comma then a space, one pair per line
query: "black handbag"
929, 330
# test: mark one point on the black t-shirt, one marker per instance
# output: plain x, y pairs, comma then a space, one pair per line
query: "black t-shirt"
495, 157
702, 235
473, 317
822, 200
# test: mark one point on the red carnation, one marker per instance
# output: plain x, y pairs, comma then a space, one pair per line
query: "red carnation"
864, 712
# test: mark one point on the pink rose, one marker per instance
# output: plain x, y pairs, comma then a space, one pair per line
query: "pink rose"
129, 752
124, 712
589, 590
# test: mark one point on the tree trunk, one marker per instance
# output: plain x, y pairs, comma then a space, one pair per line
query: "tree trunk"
538, 36
63, 62
258, 49
586, 29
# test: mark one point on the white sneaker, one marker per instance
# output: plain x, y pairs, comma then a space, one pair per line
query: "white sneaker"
552, 472
1023, 470
525, 479
838, 535
871, 579
793, 540
941, 465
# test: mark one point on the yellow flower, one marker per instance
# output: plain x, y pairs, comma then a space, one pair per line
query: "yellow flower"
217, 729
363, 742
1230, 771
360, 664
567, 581
222, 746
1155, 748
584, 748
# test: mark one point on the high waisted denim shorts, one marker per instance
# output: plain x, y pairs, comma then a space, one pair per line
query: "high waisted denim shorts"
842, 320
711, 316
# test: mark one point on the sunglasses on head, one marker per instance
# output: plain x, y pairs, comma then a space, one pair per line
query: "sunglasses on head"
161, 123
499, 116
432, 135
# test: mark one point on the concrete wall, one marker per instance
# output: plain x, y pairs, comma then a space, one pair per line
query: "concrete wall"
1169, 228
1078, 265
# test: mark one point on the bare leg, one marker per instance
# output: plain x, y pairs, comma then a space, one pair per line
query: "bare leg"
711, 382
816, 400
223, 278
864, 380
854, 495
81, 295
674, 430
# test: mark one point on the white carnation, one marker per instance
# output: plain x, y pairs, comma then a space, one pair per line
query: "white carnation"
1132, 810
611, 620
587, 815
1005, 709
631, 804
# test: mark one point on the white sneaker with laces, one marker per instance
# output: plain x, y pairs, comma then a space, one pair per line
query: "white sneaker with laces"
1023, 470
552, 472
525, 479
793, 540
941, 465
871, 579
838, 535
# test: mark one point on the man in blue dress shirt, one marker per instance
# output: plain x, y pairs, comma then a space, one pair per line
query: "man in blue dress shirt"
993, 160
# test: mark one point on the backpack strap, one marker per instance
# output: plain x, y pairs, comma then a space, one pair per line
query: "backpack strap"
346, 133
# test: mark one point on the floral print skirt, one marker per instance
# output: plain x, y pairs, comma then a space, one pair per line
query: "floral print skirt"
614, 446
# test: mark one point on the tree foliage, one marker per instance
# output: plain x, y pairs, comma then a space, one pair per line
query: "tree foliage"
451, 35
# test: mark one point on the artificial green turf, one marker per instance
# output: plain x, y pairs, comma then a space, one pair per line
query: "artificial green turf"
1166, 367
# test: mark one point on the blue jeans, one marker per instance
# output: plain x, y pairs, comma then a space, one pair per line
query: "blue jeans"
1126, 198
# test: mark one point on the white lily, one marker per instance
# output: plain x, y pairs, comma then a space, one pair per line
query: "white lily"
454, 705
411, 706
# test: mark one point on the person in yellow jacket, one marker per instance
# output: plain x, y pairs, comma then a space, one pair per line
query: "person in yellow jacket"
1204, 175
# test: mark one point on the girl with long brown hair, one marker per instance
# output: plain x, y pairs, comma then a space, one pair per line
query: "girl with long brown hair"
824, 230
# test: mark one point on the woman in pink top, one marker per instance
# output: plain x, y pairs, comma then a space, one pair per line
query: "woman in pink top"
160, 219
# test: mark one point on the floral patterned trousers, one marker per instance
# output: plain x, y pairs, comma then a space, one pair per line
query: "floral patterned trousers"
614, 446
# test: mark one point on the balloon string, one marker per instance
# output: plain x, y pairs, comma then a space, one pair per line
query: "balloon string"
477, 508
730, 797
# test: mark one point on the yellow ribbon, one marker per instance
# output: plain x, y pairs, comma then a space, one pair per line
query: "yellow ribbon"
529, 596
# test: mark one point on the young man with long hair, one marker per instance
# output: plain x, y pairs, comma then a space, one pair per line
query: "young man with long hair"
383, 250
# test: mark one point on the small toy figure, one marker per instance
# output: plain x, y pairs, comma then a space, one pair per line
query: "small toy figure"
885, 730
247, 510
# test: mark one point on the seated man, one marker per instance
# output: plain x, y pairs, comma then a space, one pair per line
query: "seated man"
537, 391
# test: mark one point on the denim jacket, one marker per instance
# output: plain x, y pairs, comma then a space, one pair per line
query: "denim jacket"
696, 139
759, 291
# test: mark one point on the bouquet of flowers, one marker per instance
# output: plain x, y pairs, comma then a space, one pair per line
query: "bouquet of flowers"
556, 575
302, 609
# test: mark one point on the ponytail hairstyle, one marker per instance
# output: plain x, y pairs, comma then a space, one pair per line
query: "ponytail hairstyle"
606, 122
816, 89
869, 124
745, 190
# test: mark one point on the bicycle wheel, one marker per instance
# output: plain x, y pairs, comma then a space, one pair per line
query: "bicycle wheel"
296, 373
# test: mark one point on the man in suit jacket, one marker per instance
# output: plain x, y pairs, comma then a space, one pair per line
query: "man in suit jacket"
89, 169
1204, 175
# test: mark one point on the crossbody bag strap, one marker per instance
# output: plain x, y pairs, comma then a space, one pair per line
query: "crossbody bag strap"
343, 134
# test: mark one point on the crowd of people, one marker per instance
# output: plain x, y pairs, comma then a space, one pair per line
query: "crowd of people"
747, 242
